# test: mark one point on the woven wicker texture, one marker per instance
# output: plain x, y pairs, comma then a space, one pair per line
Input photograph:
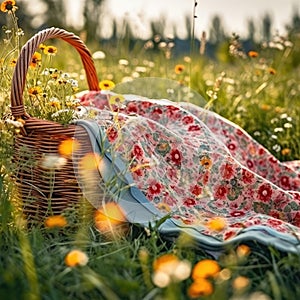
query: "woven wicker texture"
45, 192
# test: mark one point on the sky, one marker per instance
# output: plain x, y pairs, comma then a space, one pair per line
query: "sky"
234, 13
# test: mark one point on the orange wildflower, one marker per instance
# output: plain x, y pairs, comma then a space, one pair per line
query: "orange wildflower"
8, 6
169, 268
216, 224
108, 217
90, 161
253, 54
205, 268
240, 282
179, 69
68, 146
55, 221
200, 287
285, 151
76, 258
35, 60
243, 250
272, 71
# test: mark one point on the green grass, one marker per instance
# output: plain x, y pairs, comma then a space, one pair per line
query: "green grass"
245, 90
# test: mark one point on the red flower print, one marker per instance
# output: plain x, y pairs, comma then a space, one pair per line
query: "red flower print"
237, 225
157, 110
273, 160
229, 234
247, 177
176, 156
239, 132
250, 164
274, 222
296, 219
137, 151
189, 202
221, 192
196, 190
112, 134
155, 188
227, 171
194, 128
285, 182
172, 110
231, 146
187, 120
131, 108
265, 192
237, 213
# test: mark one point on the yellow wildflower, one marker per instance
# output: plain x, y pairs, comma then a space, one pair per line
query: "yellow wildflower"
50, 50
106, 85
34, 91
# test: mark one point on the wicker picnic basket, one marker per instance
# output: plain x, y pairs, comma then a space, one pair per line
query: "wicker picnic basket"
41, 193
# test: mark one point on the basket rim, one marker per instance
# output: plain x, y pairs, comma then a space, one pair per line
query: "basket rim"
19, 76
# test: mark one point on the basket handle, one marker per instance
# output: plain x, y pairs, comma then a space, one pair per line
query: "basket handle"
25, 57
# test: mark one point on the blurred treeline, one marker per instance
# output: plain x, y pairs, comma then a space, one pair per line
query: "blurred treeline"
47, 13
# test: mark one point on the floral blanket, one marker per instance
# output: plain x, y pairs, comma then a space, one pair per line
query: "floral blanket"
213, 179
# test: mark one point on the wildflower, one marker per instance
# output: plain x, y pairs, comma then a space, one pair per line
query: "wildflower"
9, 6
253, 54
285, 151
243, 250
35, 60
68, 146
240, 282
76, 258
216, 224
106, 85
55, 221
18, 123
42, 47
54, 102
90, 162
123, 62
169, 268
200, 287
271, 71
98, 55
34, 91
205, 268
109, 217
13, 62
116, 99
50, 50
53, 161
179, 69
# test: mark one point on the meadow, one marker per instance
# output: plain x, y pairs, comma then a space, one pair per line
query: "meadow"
68, 257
